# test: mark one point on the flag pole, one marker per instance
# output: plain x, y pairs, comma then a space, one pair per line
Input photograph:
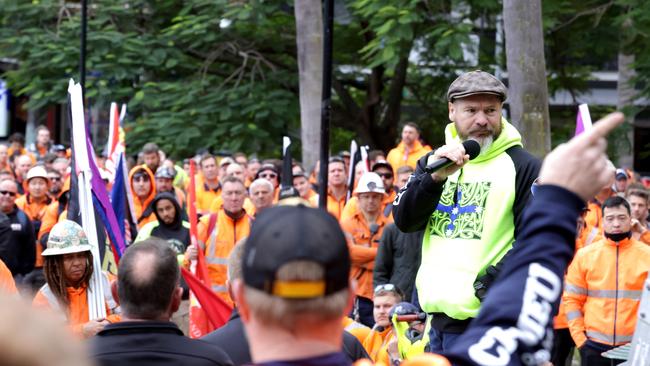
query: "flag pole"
82, 51
326, 105
96, 309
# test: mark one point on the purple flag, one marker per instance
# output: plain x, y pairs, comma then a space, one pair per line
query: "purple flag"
583, 120
105, 209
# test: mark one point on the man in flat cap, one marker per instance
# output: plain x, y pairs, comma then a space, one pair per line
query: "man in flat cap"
471, 211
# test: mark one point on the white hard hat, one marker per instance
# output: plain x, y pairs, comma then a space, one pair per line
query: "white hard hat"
66, 237
37, 172
370, 183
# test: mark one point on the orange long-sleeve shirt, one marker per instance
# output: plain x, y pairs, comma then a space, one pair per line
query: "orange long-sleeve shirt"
7, 283
363, 250
77, 311
376, 344
399, 156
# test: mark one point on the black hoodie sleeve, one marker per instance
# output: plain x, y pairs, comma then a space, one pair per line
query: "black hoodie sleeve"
417, 200
527, 167
385, 254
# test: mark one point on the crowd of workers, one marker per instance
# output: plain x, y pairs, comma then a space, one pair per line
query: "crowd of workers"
403, 264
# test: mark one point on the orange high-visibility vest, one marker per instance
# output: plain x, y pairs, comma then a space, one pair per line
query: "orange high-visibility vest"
603, 289
222, 239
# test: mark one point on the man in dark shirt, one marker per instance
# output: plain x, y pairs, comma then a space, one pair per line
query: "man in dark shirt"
294, 292
149, 293
18, 251
232, 338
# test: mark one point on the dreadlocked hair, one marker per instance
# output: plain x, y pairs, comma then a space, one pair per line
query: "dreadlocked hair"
55, 276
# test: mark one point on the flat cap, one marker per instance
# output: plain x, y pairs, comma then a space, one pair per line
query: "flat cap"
476, 82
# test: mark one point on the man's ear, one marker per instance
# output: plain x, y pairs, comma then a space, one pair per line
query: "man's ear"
231, 291
452, 111
177, 297
116, 297
352, 293
237, 289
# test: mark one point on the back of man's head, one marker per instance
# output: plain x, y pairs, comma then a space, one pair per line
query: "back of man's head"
288, 279
148, 276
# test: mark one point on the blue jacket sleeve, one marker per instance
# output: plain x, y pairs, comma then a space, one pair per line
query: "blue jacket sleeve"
514, 326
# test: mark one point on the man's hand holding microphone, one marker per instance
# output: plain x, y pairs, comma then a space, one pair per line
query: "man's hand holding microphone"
449, 158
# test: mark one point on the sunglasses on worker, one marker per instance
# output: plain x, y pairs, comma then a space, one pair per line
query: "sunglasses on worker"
141, 178
388, 287
5, 193
385, 175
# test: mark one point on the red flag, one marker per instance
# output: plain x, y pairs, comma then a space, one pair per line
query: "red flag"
207, 310
213, 311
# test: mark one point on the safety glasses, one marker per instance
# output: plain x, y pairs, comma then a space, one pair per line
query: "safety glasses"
385, 175
388, 287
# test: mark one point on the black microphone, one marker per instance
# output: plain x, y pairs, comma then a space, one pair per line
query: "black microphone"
472, 148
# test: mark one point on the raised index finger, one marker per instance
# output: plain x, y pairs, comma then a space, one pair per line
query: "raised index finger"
602, 128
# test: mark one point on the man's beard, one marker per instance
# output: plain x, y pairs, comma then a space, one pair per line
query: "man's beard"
485, 142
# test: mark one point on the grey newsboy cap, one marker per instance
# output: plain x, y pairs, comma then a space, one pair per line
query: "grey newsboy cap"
476, 82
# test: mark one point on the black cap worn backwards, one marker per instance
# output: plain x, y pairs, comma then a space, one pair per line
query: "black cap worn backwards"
284, 234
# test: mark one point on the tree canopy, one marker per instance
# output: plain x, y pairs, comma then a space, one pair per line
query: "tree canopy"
222, 74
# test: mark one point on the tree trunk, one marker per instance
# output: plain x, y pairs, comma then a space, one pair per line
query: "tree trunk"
309, 39
528, 91
626, 95
34, 118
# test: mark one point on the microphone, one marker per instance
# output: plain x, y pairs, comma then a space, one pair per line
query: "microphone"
472, 148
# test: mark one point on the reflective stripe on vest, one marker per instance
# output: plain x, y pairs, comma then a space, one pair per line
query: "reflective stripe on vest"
212, 243
216, 260
51, 298
592, 235
575, 289
574, 314
607, 337
219, 288
108, 297
613, 294
354, 325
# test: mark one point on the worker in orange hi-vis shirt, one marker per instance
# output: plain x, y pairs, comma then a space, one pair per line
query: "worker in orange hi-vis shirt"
218, 234
337, 188
409, 150
638, 199
143, 187
208, 187
35, 202
604, 284
68, 268
385, 172
7, 283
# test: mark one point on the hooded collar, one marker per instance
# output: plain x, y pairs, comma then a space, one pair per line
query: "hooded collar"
508, 138
178, 222
152, 179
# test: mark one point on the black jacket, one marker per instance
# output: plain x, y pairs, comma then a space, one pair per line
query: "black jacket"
145, 343
20, 253
398, 259
232, 339
7, 253
176, 234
